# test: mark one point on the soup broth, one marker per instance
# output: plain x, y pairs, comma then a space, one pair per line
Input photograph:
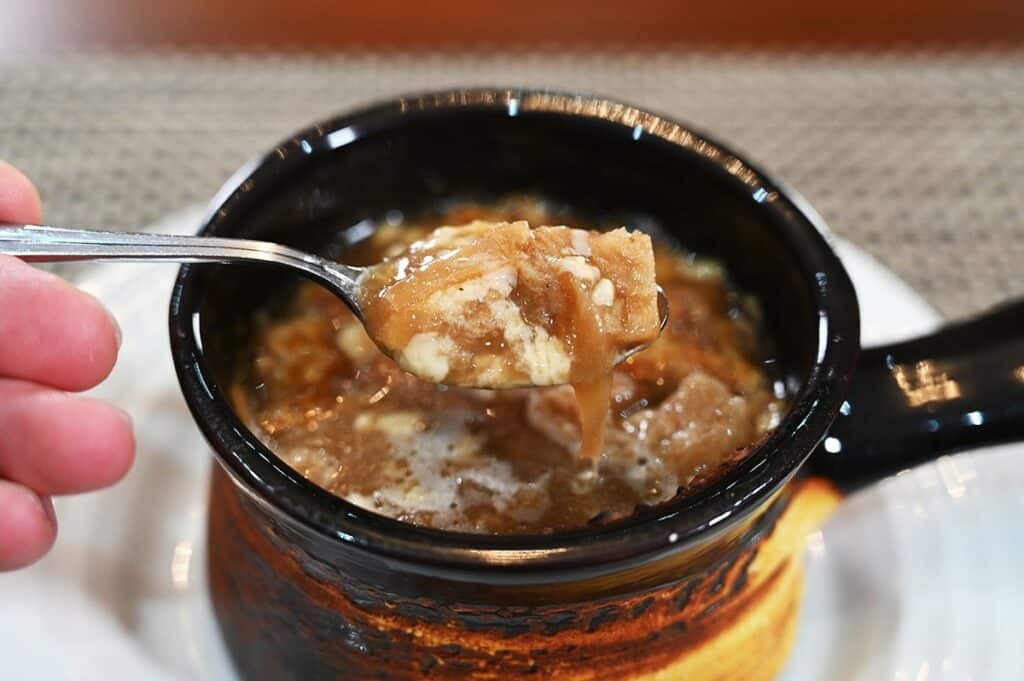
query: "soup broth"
321, 395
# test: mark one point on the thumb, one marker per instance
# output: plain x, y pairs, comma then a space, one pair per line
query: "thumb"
19, 200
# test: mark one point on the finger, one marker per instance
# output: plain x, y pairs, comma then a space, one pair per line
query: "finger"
57, 443
28, 526
19, 200
51, 332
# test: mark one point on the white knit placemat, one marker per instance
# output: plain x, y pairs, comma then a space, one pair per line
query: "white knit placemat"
918, 158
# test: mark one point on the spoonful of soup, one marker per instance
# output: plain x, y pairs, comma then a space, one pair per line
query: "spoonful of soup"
484, 305
501, 305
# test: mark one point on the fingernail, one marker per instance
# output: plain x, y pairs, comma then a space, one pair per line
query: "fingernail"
47, 505
126, 416
117, 328
111, 317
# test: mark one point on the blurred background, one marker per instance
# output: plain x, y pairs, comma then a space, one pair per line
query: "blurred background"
900, 120
451, 24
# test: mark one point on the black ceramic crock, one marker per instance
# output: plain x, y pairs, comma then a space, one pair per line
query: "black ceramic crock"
306, 585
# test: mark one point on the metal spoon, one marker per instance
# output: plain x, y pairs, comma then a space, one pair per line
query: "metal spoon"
37, 243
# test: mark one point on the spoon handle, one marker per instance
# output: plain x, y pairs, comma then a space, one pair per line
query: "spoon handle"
38, 243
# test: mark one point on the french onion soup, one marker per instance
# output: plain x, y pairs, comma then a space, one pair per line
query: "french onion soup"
326, 400
499, 305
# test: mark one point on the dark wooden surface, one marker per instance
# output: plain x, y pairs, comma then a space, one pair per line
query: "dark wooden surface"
412, 24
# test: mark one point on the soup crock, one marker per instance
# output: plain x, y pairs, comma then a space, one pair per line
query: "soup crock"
308, 586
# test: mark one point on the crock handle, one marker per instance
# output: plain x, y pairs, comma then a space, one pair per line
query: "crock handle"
910, 402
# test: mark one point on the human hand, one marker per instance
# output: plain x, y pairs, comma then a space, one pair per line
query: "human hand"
54, 340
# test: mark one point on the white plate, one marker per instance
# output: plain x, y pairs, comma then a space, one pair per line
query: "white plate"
912, 579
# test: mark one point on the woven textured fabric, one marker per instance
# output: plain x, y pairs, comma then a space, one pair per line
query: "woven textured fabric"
918, 158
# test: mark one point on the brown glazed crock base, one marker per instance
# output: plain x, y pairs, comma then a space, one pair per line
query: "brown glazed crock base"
734, 620
754, 646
